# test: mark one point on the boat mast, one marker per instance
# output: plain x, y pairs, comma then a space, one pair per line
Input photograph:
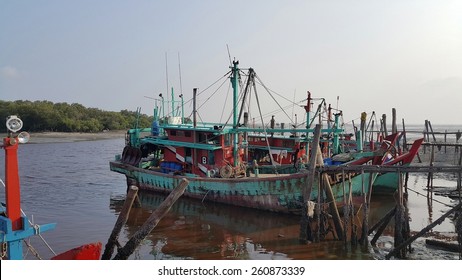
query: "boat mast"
14, 227
194, 154
182, 109
235, 84
173, 104
307, 110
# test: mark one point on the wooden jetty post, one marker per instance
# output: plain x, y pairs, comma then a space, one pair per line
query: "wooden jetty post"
151, 222
121, 220
404, 138
399, 219
384, 124
394, 128
332, 205
459, 177
345, 211
305, 223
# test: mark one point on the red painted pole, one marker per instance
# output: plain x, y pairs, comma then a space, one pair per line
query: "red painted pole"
12, 192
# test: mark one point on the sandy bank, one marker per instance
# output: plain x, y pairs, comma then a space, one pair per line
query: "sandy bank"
57, 137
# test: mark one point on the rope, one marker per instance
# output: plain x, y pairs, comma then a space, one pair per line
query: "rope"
258, 78
4, 248
33, 225
31, 249
416, 192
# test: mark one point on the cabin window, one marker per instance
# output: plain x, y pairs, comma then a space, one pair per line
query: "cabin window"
288, 144
227, 139
211, 139
172, 132
211, 158
202, 138
187, 133
187, 152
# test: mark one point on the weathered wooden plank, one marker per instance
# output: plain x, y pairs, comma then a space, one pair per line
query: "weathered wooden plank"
423, 231
151, 222
121, 220
385, 169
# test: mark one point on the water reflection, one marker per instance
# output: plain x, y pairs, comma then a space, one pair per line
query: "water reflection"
195, 230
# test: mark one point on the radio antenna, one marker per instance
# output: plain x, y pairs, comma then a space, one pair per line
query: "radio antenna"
166, 74
229, 55
179, 71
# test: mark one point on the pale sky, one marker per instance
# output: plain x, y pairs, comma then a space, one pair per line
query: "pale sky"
373, 55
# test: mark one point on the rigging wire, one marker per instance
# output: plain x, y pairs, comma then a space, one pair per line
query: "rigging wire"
33, 225
264, 127
258, 78
179, 72
226, 102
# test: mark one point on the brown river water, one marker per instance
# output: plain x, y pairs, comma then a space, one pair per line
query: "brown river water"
70, 183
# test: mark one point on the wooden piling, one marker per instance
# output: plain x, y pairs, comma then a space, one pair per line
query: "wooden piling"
445, 141
404, 138
121, 220
423, 231
459, 179
384, 124
353, 236
399, 220
345, 211
318, 207
364, 226
394, 128
151, 222
430, 177
305, 222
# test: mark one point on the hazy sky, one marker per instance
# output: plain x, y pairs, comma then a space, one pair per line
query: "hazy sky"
373, 55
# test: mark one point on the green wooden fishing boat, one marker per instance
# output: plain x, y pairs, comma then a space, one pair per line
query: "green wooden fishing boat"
216, 159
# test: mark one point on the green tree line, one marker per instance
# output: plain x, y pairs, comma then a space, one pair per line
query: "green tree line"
63, 117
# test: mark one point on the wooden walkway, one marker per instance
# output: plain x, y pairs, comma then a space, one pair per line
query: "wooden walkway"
417, 168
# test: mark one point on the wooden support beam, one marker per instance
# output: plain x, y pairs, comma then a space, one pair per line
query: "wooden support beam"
151, 222
423, 231
390, 168
451, 247
305, 226
121, 220
381, 225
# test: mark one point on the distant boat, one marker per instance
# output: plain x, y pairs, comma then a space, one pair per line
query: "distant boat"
15, 226
220, 161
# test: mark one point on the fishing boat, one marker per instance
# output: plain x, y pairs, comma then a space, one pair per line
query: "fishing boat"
220, 161
15, 227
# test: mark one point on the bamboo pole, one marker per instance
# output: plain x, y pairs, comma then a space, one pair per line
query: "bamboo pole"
423, 231
121, 220
151, 222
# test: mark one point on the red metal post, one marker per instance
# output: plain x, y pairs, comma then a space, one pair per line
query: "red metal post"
12, 192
